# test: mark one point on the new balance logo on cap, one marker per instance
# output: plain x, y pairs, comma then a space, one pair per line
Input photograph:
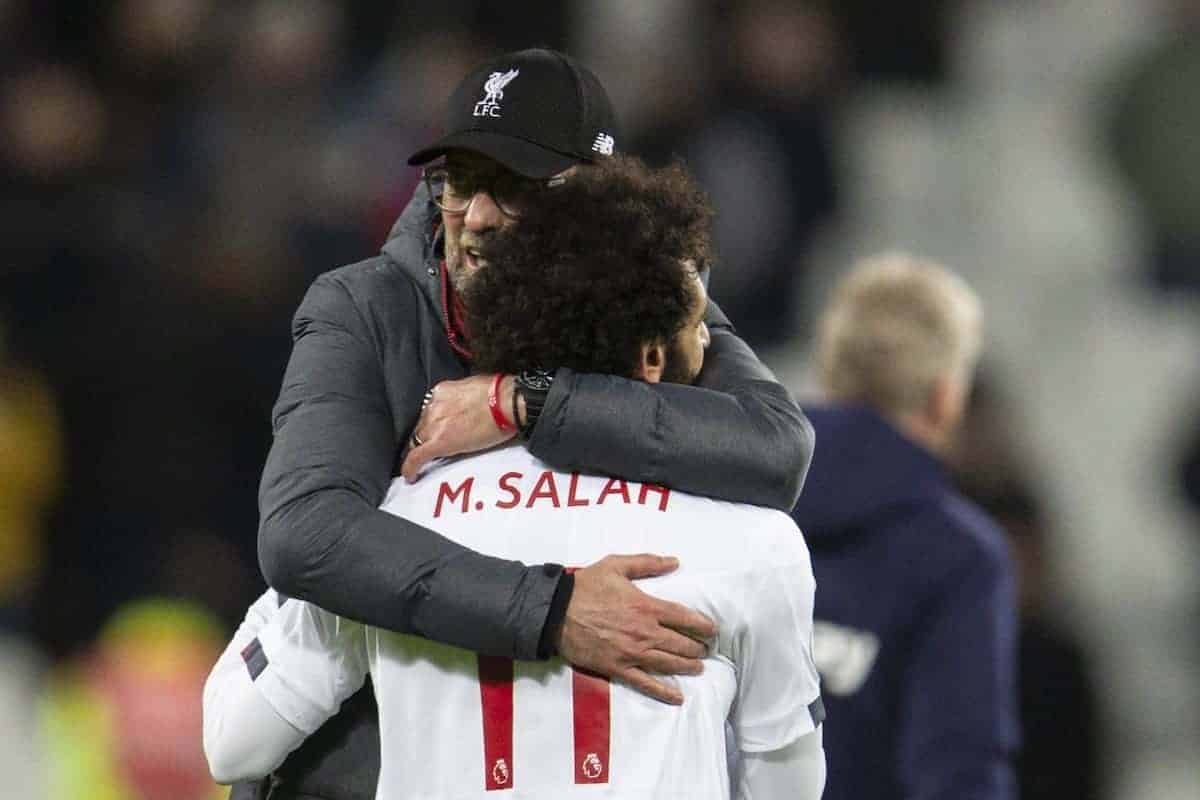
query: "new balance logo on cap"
604, 144
493, 90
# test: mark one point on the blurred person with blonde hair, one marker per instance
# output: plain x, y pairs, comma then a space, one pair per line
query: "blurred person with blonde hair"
915, 627
902, 336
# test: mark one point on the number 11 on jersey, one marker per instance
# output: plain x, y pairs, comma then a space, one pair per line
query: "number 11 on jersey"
590, 712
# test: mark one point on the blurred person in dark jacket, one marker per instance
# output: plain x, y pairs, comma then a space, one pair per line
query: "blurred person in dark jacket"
372, 338
1059, 706
1060, 758
915, 613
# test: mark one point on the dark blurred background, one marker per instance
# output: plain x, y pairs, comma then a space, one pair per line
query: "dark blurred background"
177, 171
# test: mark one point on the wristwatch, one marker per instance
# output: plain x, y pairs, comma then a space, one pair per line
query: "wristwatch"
533, 385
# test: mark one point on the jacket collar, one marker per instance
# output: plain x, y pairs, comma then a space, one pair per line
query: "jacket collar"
415, 243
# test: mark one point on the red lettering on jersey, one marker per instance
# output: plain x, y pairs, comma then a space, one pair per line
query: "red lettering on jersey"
664, 495
446, 493
544, 488
611, 488
572, 500
506, 486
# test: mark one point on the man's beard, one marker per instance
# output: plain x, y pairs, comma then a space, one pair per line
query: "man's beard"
460, 271
676, 368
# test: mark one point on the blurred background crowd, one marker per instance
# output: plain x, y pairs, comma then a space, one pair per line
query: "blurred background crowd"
175, 173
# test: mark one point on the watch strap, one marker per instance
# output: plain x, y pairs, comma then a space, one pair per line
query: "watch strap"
534, 386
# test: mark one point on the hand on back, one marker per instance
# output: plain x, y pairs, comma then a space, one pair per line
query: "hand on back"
614, 629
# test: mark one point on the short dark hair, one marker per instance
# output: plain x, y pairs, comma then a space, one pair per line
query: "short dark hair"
593, 270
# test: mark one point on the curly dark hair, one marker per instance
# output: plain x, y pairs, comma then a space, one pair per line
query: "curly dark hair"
593, 270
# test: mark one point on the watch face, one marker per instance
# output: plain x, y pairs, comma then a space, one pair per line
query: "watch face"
536, 379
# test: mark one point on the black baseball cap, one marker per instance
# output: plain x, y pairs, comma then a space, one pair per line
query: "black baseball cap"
536, 111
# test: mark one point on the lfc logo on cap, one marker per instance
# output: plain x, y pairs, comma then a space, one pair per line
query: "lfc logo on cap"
493, 89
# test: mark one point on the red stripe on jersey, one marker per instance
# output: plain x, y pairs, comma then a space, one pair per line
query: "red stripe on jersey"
496, 694
590, 697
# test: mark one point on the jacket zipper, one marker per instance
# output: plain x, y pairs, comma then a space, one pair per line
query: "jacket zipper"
450, 334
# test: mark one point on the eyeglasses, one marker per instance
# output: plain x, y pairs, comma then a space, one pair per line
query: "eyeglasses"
453, 189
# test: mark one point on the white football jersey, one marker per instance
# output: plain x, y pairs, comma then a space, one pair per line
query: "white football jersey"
457, 725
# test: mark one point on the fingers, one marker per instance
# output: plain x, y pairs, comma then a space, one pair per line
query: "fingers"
643, 565
652, 687
672, 615
668, 664
683, 619
415, 461
418, 454
680, 645
454, 418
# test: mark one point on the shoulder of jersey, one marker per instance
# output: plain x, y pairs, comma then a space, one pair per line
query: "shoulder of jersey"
764, 534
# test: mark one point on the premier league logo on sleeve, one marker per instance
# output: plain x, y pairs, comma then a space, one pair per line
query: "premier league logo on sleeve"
493, 90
